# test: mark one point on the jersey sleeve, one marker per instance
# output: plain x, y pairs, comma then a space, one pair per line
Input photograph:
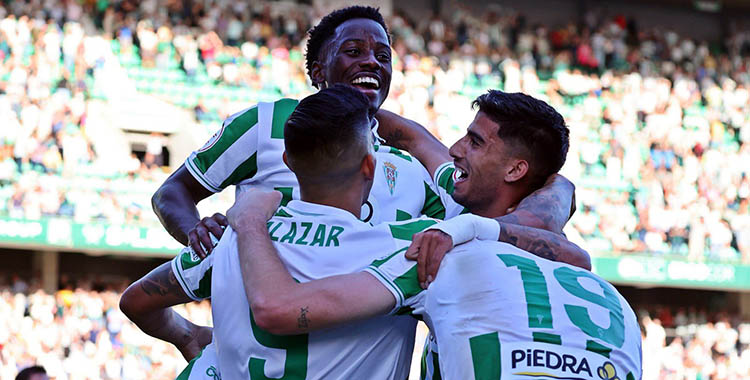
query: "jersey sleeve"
230, 156
444, 182
193, 273
396, 273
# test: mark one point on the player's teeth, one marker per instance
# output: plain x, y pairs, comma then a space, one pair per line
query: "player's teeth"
459, 173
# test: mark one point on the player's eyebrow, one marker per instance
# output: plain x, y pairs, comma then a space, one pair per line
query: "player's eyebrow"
359, 40
475, 136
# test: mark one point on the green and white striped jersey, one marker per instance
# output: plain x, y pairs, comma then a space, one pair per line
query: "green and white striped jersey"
314, 241
247, 151
498, 312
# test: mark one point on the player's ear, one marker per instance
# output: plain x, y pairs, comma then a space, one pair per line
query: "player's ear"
517, 170
317, 75
368, 166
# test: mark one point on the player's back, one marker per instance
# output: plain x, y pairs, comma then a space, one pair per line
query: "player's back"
500, 312
314, 241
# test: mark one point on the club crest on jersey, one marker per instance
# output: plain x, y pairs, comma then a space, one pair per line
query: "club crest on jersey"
391, 173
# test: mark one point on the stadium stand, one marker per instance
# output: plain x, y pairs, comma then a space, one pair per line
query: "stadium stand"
660, 129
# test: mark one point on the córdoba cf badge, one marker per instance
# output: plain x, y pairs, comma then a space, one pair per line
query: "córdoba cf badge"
391, 173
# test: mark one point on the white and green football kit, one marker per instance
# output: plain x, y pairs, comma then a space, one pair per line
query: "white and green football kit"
314, 241
247, 151
498, 312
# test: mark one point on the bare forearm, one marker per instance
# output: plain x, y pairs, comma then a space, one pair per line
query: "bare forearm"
545, 244
167, 325
548, 208
409, 135
177, 212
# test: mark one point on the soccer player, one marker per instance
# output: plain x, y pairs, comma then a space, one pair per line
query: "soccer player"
329, 148
495, 311
349, 46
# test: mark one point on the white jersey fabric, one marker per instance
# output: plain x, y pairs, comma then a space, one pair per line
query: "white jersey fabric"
314, 241
247, 151
498, 312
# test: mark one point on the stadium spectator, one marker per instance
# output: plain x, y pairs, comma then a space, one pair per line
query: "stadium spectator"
32, 373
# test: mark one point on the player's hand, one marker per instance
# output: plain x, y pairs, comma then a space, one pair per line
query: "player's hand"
253, 206
557, 179
199, 237
428, 248
201, 337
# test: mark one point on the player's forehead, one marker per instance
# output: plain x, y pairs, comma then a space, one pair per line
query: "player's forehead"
483, 126
361, 29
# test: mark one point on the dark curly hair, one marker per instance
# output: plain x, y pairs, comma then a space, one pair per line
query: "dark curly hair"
320, 33
531, 124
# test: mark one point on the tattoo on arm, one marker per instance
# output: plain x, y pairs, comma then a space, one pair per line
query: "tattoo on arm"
544, 244
395, 139
302, 321
160, 281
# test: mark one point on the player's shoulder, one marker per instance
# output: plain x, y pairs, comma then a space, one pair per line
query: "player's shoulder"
404, 230
263, 112
391, 152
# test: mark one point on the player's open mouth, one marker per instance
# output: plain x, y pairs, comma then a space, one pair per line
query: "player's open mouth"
366, 82
460, 175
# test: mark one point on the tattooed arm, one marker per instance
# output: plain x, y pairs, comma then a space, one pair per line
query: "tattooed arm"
544, 244
548, 208
147, 302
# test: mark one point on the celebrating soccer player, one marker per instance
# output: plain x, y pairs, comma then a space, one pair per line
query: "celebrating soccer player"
494, 310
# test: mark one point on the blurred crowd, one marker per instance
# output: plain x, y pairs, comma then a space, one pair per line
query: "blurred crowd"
687, 345
80, 333
660, 124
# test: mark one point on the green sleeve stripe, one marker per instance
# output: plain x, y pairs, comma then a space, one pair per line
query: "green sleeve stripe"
186, 259
433, 207
198, 175
230, 133
378, 263
204, 285
445, 178
408, 283
281, 110
183, 284
246, 170
388, 284
406, 231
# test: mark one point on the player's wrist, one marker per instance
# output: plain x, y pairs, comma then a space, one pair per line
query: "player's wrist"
464, 228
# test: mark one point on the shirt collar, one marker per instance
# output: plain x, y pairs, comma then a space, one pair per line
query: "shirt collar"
315, 209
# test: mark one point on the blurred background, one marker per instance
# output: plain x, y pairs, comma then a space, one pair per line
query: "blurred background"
101, 99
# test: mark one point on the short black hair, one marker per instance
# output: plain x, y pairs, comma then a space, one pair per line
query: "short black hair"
327, 130
26, 373
320, 33
531, 123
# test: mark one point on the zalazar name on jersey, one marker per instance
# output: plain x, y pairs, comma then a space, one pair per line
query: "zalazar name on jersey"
497, 311
314, 241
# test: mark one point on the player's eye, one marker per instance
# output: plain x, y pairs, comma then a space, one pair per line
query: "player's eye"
384, 57
352, 51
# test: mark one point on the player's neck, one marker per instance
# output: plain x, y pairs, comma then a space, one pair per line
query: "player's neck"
503, 202
345, 199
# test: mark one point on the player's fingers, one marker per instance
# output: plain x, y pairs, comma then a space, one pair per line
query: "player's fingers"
431, 256
203, 237
214, 227
193, 242
413, 251
441, 248
422, 263
222, 220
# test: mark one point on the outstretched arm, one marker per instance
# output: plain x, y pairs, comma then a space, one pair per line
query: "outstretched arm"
412, 137
279, 304
147, 302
